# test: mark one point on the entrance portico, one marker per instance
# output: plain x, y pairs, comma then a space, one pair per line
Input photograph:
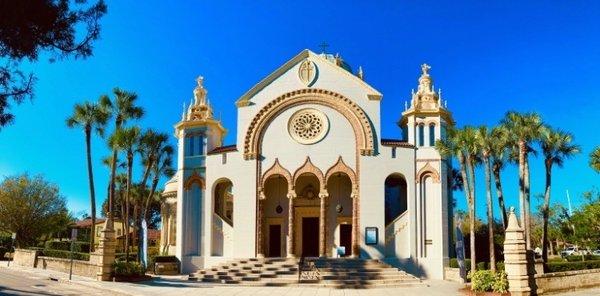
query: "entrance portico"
309, 211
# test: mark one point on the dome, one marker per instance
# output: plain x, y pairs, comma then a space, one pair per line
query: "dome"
337, 59
171, 185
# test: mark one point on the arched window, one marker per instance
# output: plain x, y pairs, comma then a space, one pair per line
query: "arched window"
224, 201
421, 135
432, 134
395, 197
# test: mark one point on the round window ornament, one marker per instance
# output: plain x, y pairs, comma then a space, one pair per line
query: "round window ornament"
339, 208
308, 126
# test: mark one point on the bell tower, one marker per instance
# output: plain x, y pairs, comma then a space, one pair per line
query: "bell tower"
197, 133
422, 124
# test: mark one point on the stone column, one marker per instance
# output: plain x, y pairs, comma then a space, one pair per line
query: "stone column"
323, 225
515, 257
104, 256
290, 238
259, 227
355, 226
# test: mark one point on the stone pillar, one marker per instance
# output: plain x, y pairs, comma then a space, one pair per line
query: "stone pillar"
515, 257
355, 226
260, 253
323, 225
104, 256
290, 238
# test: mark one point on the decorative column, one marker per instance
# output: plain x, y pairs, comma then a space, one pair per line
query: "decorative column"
259, 226
355, 226
104, 255
290, 239
323, 224
515, 257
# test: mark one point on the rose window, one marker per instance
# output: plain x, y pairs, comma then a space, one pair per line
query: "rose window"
308, 126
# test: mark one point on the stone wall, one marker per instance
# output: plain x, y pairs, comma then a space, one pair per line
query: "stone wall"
567, 280
25, 257
82, 268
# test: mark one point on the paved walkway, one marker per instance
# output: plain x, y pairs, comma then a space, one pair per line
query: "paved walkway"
178, 285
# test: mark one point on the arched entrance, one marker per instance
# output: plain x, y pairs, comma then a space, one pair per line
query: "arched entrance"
339, 186
275, 209
307, 213
222, 218
396, 204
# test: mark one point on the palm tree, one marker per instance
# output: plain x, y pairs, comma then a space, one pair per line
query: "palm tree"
127, 140
157, 156
485, 142
524, 129
89, 116
557, 146
595, 159
122, 109
454, 145
498, 139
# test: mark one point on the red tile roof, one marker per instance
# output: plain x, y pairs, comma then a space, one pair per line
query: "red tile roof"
222, 149
396, 143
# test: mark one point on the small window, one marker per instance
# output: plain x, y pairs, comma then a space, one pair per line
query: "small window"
200, 146
191, 148
224, 158
421, 135
393, 152
432, 134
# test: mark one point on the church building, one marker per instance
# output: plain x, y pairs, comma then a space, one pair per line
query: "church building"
310, 174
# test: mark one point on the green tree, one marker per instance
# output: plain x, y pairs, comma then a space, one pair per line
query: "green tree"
89, 116
33, 208
556, 147
525, 128
585, 222
122, 109
157, 155
30, 26
461, 144
127, 140
595, 159
485, 141
498, 155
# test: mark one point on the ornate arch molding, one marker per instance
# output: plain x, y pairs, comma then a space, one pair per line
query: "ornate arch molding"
363, 132
194, 179
341, 167
310, 168
428, 170
277, 169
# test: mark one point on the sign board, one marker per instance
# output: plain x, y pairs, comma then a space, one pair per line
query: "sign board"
371, 235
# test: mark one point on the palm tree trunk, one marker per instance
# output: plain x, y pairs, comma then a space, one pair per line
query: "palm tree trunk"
111, 192
144, 212
500, 194
467, 188
522, 208
545, 211
527, 204
490, 213
127, 194
88, 148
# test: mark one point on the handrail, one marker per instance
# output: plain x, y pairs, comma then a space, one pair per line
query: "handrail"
397, 219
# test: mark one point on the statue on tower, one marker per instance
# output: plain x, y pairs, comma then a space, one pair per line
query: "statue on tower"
200, 92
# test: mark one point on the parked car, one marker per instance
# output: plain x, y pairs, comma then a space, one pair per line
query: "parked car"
596, 252
569, 251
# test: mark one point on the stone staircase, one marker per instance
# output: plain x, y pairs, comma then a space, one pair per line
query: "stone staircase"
324, 272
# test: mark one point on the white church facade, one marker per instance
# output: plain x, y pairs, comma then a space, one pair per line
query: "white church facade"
310, 174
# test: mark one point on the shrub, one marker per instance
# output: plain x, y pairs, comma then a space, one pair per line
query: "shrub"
500, 266
122, 268
121, 256
577, 258
161, 259
482, 266
487, 280
66, 254
568, 266
78, 246
454, 264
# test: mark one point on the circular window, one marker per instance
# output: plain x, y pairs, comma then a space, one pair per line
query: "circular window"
308, 126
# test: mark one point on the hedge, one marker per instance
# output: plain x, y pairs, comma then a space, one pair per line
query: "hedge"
569, 266
577, 258
480, 265
128, 269
78, 246
66, 254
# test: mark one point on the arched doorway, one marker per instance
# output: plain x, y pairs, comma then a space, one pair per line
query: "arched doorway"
339, 187
275, 215
396, 204
222, 215
307, 211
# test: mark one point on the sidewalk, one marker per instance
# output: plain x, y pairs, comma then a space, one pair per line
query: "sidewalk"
178, 285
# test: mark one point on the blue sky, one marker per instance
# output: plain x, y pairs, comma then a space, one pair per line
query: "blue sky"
487, 56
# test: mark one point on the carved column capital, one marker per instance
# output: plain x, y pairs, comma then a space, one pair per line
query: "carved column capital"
291, 194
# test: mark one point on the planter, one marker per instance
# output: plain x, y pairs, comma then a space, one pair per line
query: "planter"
166, 268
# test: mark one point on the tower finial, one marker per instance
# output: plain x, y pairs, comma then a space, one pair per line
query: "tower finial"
200, 92
360, 73
425, 69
